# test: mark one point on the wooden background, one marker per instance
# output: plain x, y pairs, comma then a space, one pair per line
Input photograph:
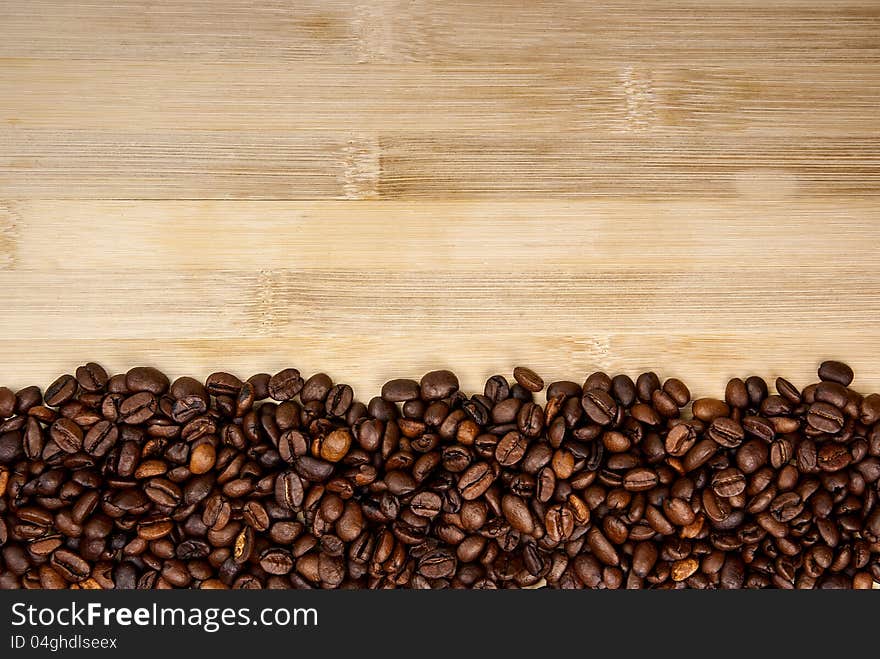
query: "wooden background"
379, 188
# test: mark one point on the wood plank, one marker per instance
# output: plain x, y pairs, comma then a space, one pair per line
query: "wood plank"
266, 96
226, 303
55, 164
366, 361
398, 236
395, 31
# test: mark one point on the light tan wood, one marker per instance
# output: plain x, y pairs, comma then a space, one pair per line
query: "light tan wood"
378, 189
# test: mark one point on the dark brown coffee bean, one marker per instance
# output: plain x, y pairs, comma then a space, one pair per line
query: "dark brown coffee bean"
833, 393
599, 406
223, 384
339, 399
401, 390
726, 432
67, 435
736, 395
787, 390
833, 371
511, 449
438, 384
7, 402
646, 385
640, 479
530, 419
475, 480
759, 427
680, 439
678, 391
92, 377
729, 482
146, 379
71, 566
699, 454
100, 438
285, 384
61, 391
825, 417
528, 379
138, 408
752, 455
517, 513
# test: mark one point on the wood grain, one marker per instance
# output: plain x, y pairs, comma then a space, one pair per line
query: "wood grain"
378, 189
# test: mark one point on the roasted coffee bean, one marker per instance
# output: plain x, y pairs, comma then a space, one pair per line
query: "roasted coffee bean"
339, 399
680, 439
438, 384
60, 391
100, 438
129, 481
145, 379
759, 427
832, 371
475, 480
599, 406
138, 408
285, 384
709, 409
67, 435
726, 432
639, 479
70, 565
401, 390
825, 418
729, 482
528, 379
511, 449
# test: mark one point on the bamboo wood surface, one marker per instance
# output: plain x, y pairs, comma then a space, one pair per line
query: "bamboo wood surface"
378, 189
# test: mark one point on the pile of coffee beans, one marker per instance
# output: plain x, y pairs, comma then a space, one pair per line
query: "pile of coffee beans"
278, 481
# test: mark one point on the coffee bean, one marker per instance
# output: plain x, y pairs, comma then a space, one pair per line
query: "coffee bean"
138, 408
67, 435
825, 417
517, 513
833, 371
475, 480
787, 390
223, 384
401, 390
336, 445
438, 384
646, 384
70, 565
759, 427
678, 391
146, 379
609, 484
709, 409
729, 482
92, 377
726, 432
680, 439
276, 561
60, 391
528, 379
640, 479
285, 384
339, 399
100, 438
511, 449
599, 406
7, 402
